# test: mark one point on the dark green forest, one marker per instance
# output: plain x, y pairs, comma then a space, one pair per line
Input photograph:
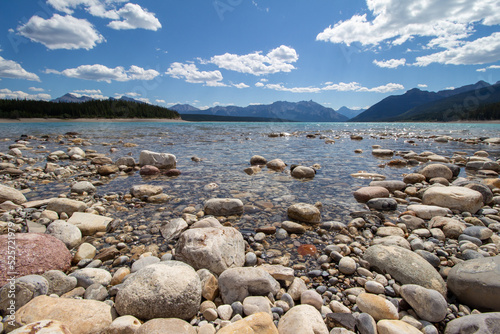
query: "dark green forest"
15, 109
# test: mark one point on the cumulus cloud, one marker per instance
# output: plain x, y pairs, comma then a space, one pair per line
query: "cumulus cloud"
190, 73
422, 86
277, 60
130, 16
61, 32
241, 85
340, 87
11, 69
160, 101
281, 88
133, 17
6, 93
480, 51
99, 72
391, 63
492, 67
36, 89
87, 91
446, 23
94, 7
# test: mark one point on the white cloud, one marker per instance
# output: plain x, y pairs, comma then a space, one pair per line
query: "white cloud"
36, 89
190, 73
340, 87
259, 84
133, 17
281, 88
480, 51
241, 85
446, 23
99, 72
6, 93
390, 87
61, 32
130, 94
94, 7
391, 63
11, 69
422, 86
160, 101
492, 67
277, 60
87, 91
344, 87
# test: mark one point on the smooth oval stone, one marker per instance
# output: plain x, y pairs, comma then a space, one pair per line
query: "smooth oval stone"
404, 266
476, 282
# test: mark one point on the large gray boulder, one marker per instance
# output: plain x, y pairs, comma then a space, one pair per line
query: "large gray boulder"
485, 323
236, 284
23, 290
168, 289
212, 248
476, 282
160, 160
454, 198
405, 266
66, 232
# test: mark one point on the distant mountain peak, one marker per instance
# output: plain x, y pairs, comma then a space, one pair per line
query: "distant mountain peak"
72, 98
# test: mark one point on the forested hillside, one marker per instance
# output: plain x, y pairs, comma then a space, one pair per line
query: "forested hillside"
91, 109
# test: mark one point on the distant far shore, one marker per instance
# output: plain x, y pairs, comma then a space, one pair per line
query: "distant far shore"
165, 120
84, 120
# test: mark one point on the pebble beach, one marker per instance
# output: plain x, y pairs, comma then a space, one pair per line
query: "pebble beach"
346, 232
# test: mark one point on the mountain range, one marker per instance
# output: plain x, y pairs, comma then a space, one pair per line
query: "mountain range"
303, 111
445, 105
479, 101
72, 98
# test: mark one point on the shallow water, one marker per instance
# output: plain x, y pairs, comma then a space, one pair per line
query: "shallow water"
226, 149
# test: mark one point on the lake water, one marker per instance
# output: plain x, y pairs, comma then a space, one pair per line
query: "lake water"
226, 149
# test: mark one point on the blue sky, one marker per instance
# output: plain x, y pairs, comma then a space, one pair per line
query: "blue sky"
238, 52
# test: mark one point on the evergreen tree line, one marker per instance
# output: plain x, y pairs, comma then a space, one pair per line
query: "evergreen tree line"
92, 109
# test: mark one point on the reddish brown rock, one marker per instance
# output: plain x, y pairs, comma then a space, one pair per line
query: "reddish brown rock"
365, 194
172, 172
149, 170
36, 253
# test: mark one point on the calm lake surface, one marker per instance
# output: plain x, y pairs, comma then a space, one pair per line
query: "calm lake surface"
226, 149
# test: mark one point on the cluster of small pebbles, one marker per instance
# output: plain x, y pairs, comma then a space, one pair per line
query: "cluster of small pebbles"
421, 255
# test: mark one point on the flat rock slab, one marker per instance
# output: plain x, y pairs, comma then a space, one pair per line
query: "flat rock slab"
405, 266
476, 282
89, 223
80, 316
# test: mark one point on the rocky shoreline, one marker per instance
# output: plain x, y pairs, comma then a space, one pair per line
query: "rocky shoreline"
422, 258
